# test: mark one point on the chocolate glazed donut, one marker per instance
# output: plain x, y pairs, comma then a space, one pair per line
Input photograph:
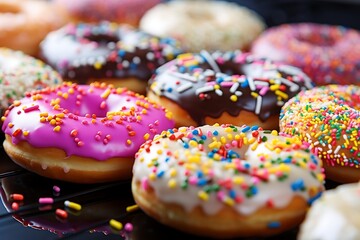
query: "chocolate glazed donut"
230, 87
107, 52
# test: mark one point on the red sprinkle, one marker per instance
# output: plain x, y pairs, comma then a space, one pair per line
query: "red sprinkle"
15, 206
17, 197
61, 213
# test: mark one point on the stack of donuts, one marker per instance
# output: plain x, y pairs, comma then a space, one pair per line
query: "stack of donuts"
225, 128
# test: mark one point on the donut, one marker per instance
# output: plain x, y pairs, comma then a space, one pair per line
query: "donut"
226, 181
327, 117
20, 73
106, 52
81, 133
119, 11
209, 25
225, 87
23, 24
328, 54
334, 215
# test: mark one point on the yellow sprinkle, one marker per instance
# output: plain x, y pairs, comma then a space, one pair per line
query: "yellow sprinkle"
17, 103
238, 180
26, 133
152, 176
254, 94
281, 94
132, 208
203, 195
128, 142
116, 224
146, 136
97, 65
254, 146
57, 129
274, 132
3, 118
53, 122
252, 140
44, 114
233, 98
105, 94
172, 183
173, 172
10, 125
42, 119
72, 205
65, 95
194, 159
229, 201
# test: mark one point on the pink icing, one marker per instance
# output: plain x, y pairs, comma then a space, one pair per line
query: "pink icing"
76, 129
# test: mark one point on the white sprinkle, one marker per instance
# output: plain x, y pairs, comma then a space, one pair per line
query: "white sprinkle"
280, 103
184, 87
219, 92
337, 149
184, 76
150, 56
209, 73
251, 83
234, 87
210, 60
125, 63
238, 93
136, 60
261, 83
258, 105
204, 89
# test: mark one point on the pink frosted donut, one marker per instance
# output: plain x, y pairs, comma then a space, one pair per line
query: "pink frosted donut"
328, 54
81, 133
120, 11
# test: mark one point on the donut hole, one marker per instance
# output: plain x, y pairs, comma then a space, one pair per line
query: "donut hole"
9, 8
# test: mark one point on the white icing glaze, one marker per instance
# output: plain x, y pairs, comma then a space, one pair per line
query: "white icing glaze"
210, 25
334, 216
157, 165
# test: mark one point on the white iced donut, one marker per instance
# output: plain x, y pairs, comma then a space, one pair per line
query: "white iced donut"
226, 181
209, 25
334, 216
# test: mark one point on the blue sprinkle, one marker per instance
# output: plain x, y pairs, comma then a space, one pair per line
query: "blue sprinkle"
215, 133
255, 127
311, 200
254, 190
171, 131
167, 159
274, 224
169, 90
186, 145
160, 174
133, 66
182, 69
245, 129
313, 159
219, 80
195, 132
287, 160
121, 53
199, 174
210, 154
244, 84
203, 137
201, 182
297, 185
246, 165
232, 154
232, 194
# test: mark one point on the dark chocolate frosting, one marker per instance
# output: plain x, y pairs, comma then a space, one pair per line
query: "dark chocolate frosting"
210, 84
106, 50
